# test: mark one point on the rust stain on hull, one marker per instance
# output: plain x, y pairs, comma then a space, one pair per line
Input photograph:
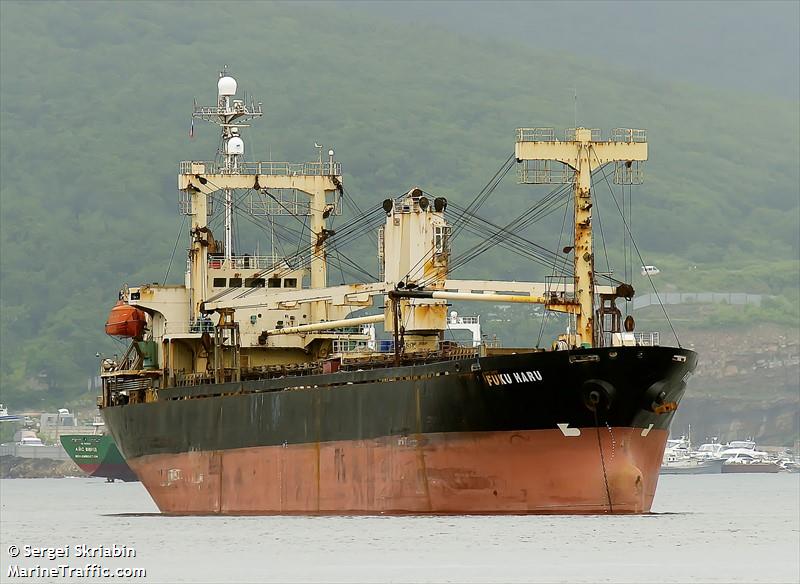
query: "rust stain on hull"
536, 471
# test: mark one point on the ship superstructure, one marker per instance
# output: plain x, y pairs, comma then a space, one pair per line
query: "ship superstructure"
252, 387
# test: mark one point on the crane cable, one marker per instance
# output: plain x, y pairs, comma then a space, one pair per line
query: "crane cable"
638, 253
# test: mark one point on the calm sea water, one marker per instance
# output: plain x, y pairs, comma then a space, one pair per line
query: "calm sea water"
713, 528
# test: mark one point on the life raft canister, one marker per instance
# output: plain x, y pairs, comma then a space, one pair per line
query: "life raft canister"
125, 320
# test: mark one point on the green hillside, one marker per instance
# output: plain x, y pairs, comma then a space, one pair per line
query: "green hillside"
95, 103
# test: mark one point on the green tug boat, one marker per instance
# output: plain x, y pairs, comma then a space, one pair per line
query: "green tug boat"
97, 455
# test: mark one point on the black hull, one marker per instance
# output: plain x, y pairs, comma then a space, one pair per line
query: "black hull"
489, 394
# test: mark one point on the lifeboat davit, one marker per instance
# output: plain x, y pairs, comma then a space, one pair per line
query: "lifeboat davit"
125, 321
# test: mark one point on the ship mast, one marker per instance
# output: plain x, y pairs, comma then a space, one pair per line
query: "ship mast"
319, 181
583, 151
225, 115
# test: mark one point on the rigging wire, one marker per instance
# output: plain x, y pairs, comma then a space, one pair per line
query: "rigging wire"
502, 235
299, 259
468, 214
484, 194
175, 247
284, 207
625, 243
348, 198
236, 206
564, 258
514, 244
343, 236
506, 238
299, 240
638, 253
630, 224
602, 234
458, 223
499, 236
546, 314
352, 230
539, 210
302, 258
247, 215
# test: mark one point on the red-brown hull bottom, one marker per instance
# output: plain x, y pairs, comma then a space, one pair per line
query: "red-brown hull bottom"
535, 471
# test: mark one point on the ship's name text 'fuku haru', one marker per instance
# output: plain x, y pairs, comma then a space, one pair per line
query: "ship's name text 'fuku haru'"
495, 378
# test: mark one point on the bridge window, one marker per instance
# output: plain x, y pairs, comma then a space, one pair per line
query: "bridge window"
235, 282
274, 283
254, 282
219, 282
290, 282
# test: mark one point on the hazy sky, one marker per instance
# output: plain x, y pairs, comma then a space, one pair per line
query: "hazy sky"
750, 46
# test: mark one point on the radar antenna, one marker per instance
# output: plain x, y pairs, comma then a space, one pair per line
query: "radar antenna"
228, 114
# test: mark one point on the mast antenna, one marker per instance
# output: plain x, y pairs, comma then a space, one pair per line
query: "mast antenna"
228, 114
575, 107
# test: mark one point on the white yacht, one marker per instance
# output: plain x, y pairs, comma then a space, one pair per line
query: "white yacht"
709, 451
741, 456
744, 449
679, 458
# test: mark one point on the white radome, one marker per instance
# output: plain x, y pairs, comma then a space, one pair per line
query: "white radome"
226, 86
234, 146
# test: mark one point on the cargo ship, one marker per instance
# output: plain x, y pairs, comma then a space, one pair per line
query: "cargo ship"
97, 456
255, 387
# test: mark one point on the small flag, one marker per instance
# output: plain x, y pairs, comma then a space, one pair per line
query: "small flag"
191, 129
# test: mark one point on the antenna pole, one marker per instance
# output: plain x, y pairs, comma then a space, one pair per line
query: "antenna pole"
227, 114
575, 107
228, 226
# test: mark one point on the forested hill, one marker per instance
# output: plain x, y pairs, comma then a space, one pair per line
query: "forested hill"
741, 46
95, 102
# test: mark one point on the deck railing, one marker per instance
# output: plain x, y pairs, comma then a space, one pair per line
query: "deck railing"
243, 262
191, 326
647, 339
263, 168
